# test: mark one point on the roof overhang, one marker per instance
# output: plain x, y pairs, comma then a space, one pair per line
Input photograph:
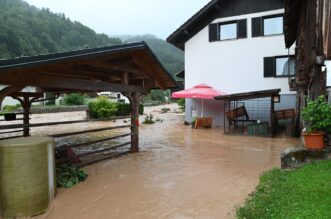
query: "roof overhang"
190, 27
291, 21
122, 68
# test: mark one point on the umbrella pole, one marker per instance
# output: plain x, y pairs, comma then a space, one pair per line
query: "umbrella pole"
202, 109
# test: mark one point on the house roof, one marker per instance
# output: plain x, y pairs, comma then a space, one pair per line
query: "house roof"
249, 95
99, 69
218, 9
195, 23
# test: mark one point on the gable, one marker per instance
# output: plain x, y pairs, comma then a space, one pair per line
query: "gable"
219, 9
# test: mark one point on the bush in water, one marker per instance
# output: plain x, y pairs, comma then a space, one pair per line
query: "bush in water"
74, 99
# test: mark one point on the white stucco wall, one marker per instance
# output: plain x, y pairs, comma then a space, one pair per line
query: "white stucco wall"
233, 66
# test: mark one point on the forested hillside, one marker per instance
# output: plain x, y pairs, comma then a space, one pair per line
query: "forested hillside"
26, 30
171, 57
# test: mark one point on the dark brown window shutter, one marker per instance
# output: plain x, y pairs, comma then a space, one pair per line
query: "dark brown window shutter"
242, 29
257, 24
213, 32
269, 67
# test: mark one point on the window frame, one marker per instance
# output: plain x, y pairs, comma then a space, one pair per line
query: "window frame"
269, 17
275, 67
227, 23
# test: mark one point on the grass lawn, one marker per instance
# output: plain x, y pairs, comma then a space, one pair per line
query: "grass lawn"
301, 193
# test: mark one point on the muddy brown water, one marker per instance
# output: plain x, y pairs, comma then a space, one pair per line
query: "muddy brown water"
179, 173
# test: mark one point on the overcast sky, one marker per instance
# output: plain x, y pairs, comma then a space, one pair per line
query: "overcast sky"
118, 17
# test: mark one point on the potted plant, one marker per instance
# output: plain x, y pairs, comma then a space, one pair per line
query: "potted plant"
317, 118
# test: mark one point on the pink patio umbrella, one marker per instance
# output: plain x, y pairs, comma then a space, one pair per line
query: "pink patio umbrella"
201, 91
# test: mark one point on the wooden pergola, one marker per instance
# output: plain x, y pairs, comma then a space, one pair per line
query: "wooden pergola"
231, 101
131, 69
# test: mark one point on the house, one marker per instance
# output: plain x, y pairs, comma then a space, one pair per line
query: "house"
236, 46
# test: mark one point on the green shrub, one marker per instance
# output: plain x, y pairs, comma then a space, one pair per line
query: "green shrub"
149, 119
165, 110
74, 99
124, 109
181, 103
317, 115
67, 176
102, 107
10, 108
141, 109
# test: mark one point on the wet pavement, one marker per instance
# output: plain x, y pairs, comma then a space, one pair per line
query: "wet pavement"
179, 173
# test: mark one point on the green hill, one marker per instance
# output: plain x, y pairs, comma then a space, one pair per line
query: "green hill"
171, 57
26, 30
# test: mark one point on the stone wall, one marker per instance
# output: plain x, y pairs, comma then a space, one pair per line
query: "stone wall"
295, 157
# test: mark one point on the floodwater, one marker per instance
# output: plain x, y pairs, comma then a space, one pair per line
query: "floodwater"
179, 173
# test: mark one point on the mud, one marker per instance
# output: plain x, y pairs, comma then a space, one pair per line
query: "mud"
179, 173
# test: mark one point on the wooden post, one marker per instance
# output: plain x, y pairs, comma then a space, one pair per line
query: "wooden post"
26, 115
272, 109
134, 99
135, 123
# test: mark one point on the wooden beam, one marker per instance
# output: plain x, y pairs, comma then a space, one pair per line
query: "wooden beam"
118, 67
55, 82
147, 70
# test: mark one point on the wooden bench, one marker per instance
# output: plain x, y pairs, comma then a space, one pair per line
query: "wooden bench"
284, 115
205, 122
240, 112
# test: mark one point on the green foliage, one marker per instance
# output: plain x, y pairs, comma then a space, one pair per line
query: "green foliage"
74, 99
10, 108
317, 115
117, 109
181, 104
301, 193
102, 107
123, 109
26, 30
149, 119
157, 96
67, 176
171, 57
165, 110
141, 109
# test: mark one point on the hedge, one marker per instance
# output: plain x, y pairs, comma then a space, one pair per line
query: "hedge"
104, 108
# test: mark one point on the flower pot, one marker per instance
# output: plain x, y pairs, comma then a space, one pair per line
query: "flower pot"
314, 140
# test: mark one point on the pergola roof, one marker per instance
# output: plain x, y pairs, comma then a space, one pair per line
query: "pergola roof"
122, 68
249, 95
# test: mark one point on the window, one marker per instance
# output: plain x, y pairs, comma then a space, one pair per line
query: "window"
279, 66
285, 66
273, 25
268, 25
228, 31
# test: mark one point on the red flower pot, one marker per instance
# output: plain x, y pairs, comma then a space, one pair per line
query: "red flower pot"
314, 140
